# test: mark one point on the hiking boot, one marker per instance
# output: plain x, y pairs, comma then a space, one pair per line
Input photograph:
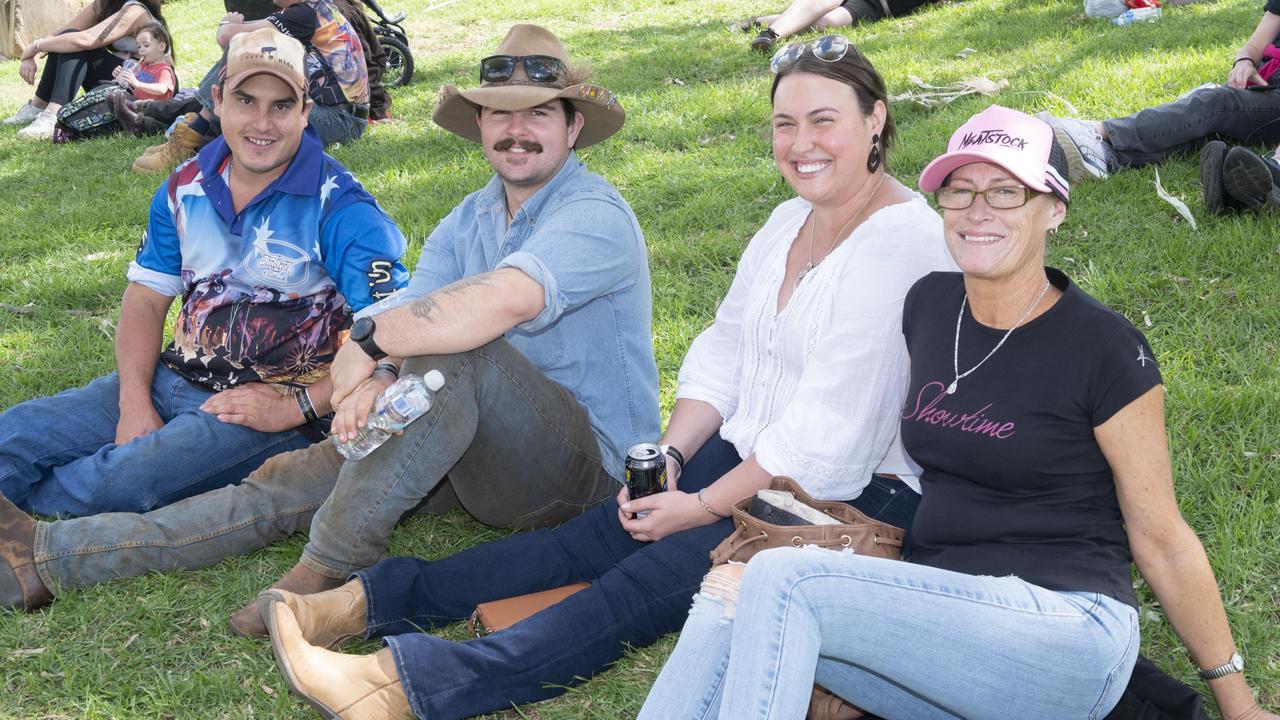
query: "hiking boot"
301, 580
182, 144
1211, 157
20, 584
764, 41
346, 687
184, 120
42, 127
1250, 179
24, 116
1088, 153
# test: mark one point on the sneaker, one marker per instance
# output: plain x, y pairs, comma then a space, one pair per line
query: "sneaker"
1211, 157
24, 116
1251, 179
764, 41
1088, 153
41, 128
745, 26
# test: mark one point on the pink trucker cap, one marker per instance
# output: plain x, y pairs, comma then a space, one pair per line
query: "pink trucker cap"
1023, 145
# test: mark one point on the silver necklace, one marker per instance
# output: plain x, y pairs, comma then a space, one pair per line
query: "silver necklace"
813, 226
955, 353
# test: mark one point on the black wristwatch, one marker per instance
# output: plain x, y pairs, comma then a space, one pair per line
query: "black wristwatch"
362, 334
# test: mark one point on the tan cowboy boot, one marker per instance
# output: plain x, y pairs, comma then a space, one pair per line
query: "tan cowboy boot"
301, 580
339, 686
329, 618
182, 144
20, 584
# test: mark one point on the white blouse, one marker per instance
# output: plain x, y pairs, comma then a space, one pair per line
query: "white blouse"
816, 390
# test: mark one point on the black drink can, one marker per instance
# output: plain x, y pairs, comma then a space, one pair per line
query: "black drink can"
646, 471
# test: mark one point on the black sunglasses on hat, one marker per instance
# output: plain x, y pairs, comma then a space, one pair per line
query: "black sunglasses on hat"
538, 68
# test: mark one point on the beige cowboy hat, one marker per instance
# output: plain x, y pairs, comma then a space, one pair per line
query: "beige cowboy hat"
456, 109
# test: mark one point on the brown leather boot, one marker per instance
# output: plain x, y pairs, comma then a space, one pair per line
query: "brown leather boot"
121, 104
182, 144
339, 686
301, 580
20, 584
329, 618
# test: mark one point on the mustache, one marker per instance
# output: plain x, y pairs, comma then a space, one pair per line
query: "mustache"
507, 143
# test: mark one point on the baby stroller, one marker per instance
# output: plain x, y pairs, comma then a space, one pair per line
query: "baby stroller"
395, 43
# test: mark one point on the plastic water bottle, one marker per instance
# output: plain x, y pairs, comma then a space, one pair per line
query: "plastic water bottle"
408, 399
1129, 17
126, 66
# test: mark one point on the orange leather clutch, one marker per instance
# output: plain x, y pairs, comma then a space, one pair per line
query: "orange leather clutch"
500, 614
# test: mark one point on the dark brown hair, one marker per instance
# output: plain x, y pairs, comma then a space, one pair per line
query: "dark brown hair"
103, 9
161, 33
854, 70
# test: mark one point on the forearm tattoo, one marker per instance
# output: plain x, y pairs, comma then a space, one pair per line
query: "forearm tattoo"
425, 308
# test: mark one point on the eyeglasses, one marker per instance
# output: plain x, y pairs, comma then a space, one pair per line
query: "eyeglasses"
538, 68
1005, 197
828, 48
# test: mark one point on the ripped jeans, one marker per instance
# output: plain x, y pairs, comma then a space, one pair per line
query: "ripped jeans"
897, 640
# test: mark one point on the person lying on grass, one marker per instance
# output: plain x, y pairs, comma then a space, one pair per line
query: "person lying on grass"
1244, 109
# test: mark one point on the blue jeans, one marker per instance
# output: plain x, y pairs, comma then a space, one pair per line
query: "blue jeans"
639, 591
58, 454
897, 640
1251, 117
334, 124
517, 447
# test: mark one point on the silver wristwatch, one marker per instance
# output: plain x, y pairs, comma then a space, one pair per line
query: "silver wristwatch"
1234, 665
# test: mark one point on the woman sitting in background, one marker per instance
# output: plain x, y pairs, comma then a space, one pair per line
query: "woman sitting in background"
1037, 415
83, 54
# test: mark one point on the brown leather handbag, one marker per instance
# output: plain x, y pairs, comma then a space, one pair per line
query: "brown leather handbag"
856, 532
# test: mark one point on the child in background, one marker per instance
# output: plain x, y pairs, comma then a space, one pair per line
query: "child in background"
111, 107
154, 77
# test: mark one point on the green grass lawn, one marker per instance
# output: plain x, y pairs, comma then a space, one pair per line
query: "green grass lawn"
694, 162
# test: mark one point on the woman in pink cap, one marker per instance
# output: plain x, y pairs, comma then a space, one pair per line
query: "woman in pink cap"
1037, 416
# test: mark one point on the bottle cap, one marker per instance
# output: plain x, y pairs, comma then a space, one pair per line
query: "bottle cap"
434, 380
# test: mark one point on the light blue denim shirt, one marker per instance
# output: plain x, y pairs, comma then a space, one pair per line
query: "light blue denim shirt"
579, 239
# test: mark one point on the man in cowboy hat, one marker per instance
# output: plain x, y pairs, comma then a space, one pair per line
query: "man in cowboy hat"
532, 297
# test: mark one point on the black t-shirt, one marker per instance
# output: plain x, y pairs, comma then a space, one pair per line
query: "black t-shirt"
1014, 482
297, 21
1273, 7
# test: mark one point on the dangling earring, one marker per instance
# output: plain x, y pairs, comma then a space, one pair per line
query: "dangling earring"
873, 157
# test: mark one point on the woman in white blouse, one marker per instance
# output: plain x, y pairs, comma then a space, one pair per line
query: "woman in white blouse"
802, 374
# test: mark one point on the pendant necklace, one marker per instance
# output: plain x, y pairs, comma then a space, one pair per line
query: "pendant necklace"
813, 226
955, 355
